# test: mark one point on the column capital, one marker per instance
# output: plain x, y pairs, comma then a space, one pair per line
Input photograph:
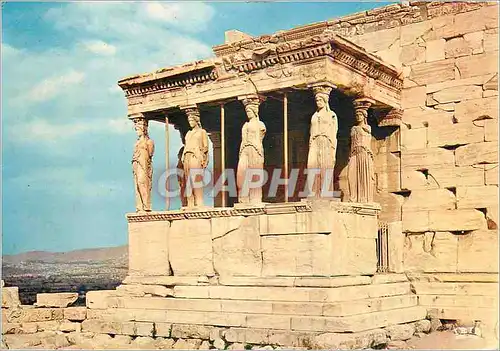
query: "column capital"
249, 99
322, 84
363, 103
186, 108
135, 116
191, 111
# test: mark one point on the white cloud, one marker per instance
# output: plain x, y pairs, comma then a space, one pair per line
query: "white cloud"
131, 19
53, 86
189, 16
41, 130
100, 47
9, 51
71, 90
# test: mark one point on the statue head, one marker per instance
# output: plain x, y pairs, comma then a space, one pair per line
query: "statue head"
361, 107
322, 96
251, 107
193, 116
141, 126
361, 116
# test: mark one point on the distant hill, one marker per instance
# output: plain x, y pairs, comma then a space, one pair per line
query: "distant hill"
116, 254
73, 271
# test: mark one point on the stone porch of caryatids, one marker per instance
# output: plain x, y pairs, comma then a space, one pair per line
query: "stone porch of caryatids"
293, 64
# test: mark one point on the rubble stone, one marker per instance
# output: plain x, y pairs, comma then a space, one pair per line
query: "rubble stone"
55, 299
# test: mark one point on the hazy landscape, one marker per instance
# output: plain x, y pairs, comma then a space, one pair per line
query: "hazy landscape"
74, 271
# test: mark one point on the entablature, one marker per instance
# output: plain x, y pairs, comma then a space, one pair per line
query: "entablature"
265, 68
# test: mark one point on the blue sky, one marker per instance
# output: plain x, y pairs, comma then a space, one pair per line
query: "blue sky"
66, 140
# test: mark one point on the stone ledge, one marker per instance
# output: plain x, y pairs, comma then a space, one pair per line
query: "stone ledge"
371, 209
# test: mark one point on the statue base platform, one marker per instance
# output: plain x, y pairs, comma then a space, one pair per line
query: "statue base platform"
272, 274
307, 238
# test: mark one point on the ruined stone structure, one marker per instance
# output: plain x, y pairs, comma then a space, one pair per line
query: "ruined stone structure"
412, 102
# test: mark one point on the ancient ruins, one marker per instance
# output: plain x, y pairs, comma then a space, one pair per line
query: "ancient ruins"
397, 110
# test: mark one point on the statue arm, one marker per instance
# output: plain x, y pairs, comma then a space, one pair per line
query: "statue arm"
243, 141
367, 128
151, 147
204, 148
262, 130
334, 128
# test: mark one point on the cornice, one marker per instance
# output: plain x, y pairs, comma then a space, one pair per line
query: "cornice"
264, 209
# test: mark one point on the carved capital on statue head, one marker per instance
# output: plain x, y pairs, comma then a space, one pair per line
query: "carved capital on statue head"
252, 103
140, 125
361, 107
363, 103
322, 88
252, 99
136, 116
192, 112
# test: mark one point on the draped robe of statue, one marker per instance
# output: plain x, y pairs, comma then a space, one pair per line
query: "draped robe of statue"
361, 172
195, 157
251, 155
180, 176
143, 171
322, 147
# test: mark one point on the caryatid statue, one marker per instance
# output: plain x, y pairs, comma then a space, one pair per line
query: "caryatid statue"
194, 158
142, 166
251, 157
322, 142
361, 172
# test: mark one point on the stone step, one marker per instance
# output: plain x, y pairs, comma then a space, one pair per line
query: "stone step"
458, 301
438, 288
361, 322
306, 340
454, 277
319, 282
297, 294
337, 309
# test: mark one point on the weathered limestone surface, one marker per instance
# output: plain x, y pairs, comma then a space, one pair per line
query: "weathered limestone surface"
148, 248
237, 246
477, 252
477, 196
296, 255
431, 252
446, 220
56, 299
191, 244
396, 241
470, 154
142, 290
10, 296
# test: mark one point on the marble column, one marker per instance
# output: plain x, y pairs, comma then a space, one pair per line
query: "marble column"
251, 156
361, 170
322, 143
142, 164
215, 138
194, 158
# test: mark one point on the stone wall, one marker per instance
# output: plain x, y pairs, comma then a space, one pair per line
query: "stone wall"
438, 173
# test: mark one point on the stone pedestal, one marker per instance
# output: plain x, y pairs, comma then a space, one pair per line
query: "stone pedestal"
307, 238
